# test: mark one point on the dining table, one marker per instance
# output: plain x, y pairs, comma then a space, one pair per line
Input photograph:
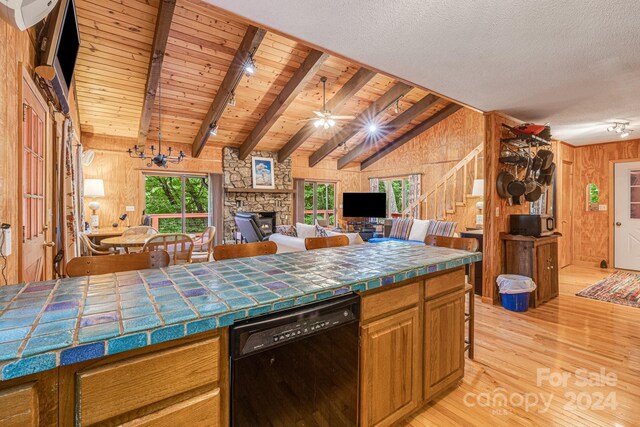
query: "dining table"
131, 241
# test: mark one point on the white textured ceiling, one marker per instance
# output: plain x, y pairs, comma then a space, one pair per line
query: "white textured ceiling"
573, 63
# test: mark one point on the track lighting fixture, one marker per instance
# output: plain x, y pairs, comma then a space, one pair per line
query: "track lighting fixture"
232, 100
214, 130
250, 66
373, 127
620, 128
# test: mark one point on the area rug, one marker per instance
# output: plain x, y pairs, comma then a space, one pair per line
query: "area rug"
618, 288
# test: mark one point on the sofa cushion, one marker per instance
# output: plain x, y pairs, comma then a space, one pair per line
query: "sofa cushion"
401, 228
354, 238
389, 239
442, 228
287, 230
419, 229
321, 231
305, 230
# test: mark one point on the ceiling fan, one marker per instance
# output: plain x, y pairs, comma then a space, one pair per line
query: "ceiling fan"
324, 119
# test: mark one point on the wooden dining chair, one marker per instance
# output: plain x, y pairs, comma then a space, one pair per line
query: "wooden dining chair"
89, 266
465, 244
178, 245
203, 245
91, 249
139, 230
244, 250
325, 242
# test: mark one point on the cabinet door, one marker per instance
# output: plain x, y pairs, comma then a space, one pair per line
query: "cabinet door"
390, 368
30, 401
443, 343
544, 275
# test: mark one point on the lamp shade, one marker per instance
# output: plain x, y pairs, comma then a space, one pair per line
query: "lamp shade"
93, 188
478, 187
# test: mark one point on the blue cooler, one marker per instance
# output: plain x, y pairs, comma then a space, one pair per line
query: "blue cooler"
515, 291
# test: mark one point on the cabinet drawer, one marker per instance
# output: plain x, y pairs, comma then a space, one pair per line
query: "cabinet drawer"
121, 387
19, 406
389, 300
444, 283
203, 410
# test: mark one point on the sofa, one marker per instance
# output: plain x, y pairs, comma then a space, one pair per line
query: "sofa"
416, 230
291, 239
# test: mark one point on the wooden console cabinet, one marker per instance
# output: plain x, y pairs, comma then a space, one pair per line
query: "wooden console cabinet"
411, 346
535, 257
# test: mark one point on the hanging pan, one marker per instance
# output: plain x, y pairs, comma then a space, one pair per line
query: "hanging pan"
502, 182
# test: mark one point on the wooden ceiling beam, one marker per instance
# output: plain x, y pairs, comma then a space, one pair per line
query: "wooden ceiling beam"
160, 37
405, 117
335, 104
294, 86
356, 125
422, 127
249, 44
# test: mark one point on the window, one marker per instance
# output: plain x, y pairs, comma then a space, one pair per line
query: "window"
319, 202
397, 190
177, 203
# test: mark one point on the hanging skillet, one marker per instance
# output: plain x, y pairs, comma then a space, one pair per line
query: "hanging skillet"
547, 158
503, 180
534, 195
516, 187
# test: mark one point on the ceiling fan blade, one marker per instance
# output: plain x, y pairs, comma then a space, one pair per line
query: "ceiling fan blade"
319, 114
343, 117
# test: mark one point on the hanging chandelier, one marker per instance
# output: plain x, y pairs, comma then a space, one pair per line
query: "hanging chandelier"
159, 159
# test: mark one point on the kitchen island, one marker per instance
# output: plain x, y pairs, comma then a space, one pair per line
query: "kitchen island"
151, 347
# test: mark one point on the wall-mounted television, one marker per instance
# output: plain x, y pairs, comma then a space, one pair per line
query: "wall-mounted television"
60, 50
364, 205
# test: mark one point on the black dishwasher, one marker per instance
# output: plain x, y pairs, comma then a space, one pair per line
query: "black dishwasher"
297, 367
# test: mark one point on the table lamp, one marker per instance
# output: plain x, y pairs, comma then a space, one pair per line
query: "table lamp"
94, 188
478, 191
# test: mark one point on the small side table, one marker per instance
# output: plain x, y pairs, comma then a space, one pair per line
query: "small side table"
477, 266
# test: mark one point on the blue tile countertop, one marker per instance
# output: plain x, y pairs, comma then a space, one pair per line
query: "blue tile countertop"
60, 322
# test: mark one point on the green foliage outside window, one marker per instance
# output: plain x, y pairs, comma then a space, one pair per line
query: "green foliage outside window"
163, 195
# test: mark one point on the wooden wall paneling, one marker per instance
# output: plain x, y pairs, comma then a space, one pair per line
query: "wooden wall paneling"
593, 237
160, 37
405, 117
376, 108
16, 50
565, 202
425, 125
294, 86
432, 154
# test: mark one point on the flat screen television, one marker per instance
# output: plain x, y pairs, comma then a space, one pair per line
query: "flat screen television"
61, 50
364, 205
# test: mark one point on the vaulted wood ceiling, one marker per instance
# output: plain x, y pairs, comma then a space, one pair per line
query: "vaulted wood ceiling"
113, 67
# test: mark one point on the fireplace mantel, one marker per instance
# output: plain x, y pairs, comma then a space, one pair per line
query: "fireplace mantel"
259, 190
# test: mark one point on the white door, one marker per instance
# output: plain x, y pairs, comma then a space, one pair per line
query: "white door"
627, 216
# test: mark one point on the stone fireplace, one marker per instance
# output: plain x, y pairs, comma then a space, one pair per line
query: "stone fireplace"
276, 205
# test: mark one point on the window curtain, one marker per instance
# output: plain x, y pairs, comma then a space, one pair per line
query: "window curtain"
216, 205
298, 213
70, 194
373, 185
414, 193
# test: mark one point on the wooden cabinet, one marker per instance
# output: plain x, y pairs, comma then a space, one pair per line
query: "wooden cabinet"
168, 384
390, 355
535, 257
30, 401
443, 332
443, 343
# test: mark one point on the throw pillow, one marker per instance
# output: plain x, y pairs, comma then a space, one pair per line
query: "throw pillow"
305, 230
320, 231
419, 229
442, 228
401, 228
354, 238
287, 230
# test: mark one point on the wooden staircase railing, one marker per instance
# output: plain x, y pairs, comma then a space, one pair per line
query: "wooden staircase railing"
450, 191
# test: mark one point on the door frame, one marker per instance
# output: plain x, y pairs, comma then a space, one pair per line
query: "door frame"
49, 168
611, 212
566, 198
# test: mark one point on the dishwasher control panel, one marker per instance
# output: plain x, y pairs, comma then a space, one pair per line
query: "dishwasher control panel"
304, 327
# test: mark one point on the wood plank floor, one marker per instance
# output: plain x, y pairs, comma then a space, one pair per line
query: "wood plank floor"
515, 350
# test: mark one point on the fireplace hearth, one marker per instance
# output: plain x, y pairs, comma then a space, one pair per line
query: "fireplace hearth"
267, 222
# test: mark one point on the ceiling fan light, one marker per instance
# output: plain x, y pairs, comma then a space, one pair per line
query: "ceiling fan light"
318, 123
331, 122
326, 125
